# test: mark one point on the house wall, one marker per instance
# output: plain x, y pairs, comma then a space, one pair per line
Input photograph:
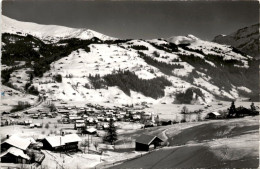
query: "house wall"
5, 146
68, 147
46, 145
156, 142
71, 146
9, 158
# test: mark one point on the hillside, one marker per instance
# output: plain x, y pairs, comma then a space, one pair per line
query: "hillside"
69, 66
245, 39
219, 144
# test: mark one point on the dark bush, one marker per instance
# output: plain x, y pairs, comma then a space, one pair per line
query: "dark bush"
139, 47
58, 78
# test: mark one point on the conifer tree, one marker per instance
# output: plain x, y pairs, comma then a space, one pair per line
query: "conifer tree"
111, 135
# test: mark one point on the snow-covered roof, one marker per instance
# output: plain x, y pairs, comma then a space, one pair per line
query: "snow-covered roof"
80, 124
80, 121
215, 113
16, 152
136, 117
91, 130
18, 142
71, 138
105, 125
146, 139
56, 141
31, 140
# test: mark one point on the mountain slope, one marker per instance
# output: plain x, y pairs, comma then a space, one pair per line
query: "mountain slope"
98, 70
245, 39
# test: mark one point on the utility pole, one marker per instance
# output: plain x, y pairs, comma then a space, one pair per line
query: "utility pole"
60, 145
88, 143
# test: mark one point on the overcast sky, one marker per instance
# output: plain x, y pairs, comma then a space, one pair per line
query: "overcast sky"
146, 20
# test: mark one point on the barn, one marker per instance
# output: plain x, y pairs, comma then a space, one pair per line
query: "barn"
14, 155
14, 150
213, 115
91, 131
61, 143
15, 141
145, 142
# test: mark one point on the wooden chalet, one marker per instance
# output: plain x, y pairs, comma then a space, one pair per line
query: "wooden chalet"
63, 111
145, 142
14, 150
15, 141
14, 155
28, 122
61, 143
79, 125
74, 117
91, 131
213, 115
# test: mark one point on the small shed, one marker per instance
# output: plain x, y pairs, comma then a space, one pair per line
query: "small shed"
145, 142
213, 115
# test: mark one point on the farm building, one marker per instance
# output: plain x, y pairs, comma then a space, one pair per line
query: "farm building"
146, 116
15, 141
61, 143
74, 117
27, 122
213, 115
14, 155
79, 126
136, 117
166, 122
91, 131
63, 111
145, 142
149, 124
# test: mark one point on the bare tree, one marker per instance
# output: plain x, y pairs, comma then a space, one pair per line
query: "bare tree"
184, 110
84, 144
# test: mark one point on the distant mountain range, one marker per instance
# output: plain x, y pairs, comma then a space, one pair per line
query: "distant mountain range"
84, 65
48, 33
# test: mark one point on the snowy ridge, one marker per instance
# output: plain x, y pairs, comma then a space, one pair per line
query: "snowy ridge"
209, 48
183, 39
52, 33
245, 39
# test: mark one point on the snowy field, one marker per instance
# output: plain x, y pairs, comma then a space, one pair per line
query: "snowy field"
11, 98
221, 144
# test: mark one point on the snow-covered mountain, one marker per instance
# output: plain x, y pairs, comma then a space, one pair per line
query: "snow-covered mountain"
98, 68
48, 33
245, 39
209, 48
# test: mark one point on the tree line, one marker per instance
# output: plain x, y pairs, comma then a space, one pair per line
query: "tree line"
127, 81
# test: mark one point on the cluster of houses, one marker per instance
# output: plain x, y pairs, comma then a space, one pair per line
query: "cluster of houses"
15, 149
99, 116
40, 113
